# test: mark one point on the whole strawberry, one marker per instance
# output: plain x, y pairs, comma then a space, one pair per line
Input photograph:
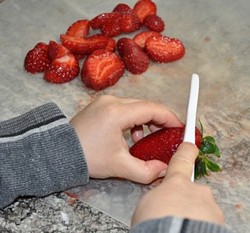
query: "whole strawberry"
162, 145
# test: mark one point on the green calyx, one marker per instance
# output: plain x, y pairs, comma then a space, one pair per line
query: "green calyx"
205, 163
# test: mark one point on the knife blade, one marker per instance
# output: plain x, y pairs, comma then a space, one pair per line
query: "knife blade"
189, 135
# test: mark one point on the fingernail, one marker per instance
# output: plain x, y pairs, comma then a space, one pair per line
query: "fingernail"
162, 173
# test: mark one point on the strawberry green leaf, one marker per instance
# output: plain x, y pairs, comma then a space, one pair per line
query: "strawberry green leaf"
209, 146
212, 166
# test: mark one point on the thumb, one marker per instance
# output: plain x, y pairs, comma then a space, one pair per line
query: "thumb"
183, 160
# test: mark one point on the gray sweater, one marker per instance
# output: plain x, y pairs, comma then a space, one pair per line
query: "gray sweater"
40, 154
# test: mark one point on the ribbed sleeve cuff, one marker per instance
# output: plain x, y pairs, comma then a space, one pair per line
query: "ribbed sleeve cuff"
40, 154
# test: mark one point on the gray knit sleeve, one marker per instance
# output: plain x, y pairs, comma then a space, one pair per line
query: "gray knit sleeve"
40, 153
178, 225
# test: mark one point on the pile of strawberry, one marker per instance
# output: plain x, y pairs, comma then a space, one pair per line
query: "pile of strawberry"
106, 58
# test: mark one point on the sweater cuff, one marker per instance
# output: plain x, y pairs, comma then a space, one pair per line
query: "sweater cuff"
178, 225
40, 154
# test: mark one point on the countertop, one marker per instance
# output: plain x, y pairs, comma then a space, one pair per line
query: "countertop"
216, 35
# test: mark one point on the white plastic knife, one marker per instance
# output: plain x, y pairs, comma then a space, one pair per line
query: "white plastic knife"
189, 135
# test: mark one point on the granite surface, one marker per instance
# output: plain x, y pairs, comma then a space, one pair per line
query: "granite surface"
216, 34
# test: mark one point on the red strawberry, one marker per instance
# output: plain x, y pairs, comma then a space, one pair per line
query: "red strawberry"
98, 21
143, 8
164, 49
79, 28
122, 8
62, 69
102, 69
87, 45
111, 27
133, 56
141, 37
37, 59
111, 45
57, 50
129, 22
162, 144
154, 23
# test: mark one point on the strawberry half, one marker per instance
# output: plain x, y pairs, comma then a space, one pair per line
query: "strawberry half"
141, 37
79, 28
37, 59
86, 45
62, 69
102, 69
154, 23
135, 59
164, 49
122, 8
57, 50
162, 145
129, 22
101, 19
143, 8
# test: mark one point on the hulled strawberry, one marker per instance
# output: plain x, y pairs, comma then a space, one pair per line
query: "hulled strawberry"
164, 49
62, 69
135, 59
37, 59
162, 144
102, 69
154, 23
80, 28
141, 37
57, 50
143, 8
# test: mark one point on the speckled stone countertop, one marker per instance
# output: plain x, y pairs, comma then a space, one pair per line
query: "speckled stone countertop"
216, 34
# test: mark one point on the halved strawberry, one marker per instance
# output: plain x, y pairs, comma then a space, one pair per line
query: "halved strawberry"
162, 145
111, 45
37, 59
57, 50
129, 22
111, 27
102, 69
154, 23
86, 45
143, 8
98, 21
122, 8
79, 28
135, 59
62, 69
164, 49
141, 37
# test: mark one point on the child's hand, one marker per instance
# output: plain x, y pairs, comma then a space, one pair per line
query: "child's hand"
100, 127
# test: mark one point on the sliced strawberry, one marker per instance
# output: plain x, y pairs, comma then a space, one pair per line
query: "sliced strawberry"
37, 59
102, 69
122, 8
154, 23
141, 37
135, 59
129, 22
62, 69
57, 50
164, 49
111, 45
162, 144
143, 8
111, 27
98, 21
87, 45
79, 28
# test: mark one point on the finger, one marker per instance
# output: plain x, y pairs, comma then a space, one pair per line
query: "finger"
137, 133
143, 112
183, 160
141, 171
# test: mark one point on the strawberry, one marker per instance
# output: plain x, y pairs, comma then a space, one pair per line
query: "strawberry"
143, 8
111, 45
141, 37
154, 23
57, 50
164, 49
135, 59
162, 144
62, 69
122, 8
111, 27
79, 28
37, 59
102, 69
129, 22
87, 45
101, 19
